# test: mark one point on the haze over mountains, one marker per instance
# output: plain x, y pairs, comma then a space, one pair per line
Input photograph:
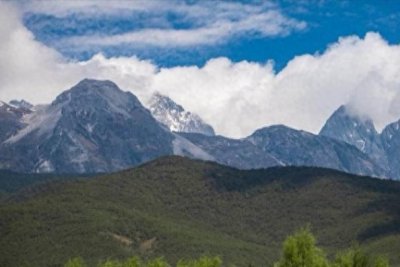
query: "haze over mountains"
96, 127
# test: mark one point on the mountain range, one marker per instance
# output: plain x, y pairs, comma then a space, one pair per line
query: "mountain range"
95, 127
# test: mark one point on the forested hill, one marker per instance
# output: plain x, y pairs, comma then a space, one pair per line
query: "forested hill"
177, 207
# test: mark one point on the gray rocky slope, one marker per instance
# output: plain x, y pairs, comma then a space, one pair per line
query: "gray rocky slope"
383, 148
359, 132
282, 146
300, 148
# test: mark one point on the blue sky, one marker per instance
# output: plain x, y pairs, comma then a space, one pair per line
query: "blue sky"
300, 27
240, 65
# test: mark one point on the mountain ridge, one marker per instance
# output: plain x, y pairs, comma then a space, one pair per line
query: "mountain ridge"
97, 127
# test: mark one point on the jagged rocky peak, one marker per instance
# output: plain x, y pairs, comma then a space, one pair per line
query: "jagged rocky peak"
356, 131
344, 126
21, 104
175, 117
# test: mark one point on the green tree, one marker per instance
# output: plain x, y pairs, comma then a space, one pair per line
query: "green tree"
75, 262
356, 257
381, 262
300, 250
159, 262
110, 263
201, 262
132, 262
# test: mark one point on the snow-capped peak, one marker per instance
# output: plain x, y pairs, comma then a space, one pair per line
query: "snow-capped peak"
174, 116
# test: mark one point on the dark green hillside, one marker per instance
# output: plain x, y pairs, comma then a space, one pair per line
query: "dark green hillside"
178, 207
11, 182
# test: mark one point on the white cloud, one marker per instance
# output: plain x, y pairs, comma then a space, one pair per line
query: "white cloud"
65, 8
270, 23
23, 61
206, 22
236, 98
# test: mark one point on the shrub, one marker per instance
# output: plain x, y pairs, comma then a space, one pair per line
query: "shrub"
201, 262
356, 257
300, 250
75, 262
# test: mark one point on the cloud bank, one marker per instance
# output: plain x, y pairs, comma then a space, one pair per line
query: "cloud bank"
235, 97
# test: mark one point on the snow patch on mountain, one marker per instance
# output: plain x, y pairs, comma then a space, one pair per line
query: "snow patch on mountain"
174, 116
45, 166
43, 121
